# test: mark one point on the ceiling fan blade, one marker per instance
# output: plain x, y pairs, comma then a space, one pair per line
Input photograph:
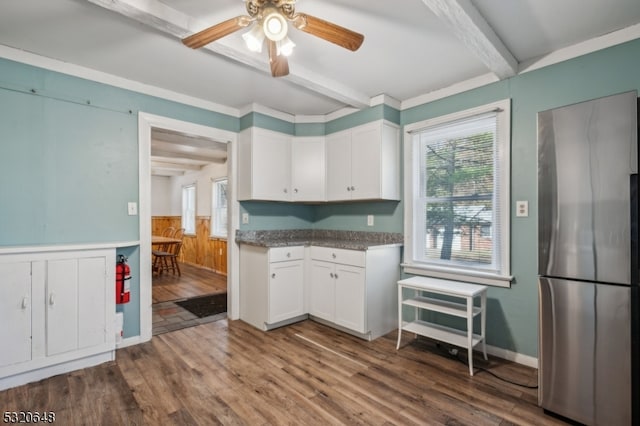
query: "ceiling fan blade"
217, 31
279, 63
328, 31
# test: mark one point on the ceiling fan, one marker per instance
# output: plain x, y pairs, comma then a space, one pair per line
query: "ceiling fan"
270, 20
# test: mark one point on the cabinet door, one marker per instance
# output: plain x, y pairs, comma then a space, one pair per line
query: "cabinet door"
350, 297
308, 169
286, 291
15, 312
322, 290
62, 306
365, 162
271, 164
338, 148
92, 302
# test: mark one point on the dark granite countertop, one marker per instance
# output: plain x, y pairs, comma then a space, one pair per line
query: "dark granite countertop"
351, 240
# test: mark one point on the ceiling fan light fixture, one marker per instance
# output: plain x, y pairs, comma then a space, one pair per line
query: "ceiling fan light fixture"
285, 46
254, 38
274, 25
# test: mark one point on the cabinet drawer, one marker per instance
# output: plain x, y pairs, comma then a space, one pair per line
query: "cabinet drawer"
281, 254
345, 257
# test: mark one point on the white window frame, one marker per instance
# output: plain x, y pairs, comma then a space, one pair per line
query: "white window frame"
188, 230
501, 278
216, 230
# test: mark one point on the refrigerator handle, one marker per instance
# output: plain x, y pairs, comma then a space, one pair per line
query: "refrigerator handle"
633, 202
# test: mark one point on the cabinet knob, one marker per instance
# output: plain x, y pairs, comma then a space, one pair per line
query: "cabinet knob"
52, 299
285, 190
273, 275
288, 254
331, 274
25, 302
353, 188
348, 188
333, 255
295, 190
335, 276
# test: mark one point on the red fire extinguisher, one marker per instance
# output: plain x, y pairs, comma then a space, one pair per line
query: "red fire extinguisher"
123, 275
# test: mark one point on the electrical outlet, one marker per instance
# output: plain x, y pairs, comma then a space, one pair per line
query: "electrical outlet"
522, 208
245, 218
370, 220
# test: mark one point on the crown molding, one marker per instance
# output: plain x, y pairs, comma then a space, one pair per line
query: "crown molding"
588, 46
67, 68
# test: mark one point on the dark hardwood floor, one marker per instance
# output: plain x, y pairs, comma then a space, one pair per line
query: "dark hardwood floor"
193, 282
227, 372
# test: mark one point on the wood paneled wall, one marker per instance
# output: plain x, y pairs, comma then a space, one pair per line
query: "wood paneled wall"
199, 249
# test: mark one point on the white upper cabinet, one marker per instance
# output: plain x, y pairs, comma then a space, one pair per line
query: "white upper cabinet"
264, 165
308, 169
363, 163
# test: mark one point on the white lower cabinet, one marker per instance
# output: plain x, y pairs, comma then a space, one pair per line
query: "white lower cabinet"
338, 294
56, 308
15, 310
350, 297
352, 290
322, 290
286, 290
271, 285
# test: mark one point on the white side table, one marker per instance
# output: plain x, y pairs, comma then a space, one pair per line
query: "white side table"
421, 300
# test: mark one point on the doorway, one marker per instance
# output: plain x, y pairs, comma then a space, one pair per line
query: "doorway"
149, 124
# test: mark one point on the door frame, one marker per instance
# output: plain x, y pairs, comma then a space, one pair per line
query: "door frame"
146, 122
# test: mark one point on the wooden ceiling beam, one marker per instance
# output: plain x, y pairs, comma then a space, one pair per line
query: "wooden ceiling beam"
159, 16
473, 30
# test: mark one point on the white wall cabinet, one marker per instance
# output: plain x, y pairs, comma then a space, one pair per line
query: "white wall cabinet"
363, 163
57, 313
308, 169
264, 161
272, 289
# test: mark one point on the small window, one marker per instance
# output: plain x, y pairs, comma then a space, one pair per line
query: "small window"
457, 192
219, 208
189, 209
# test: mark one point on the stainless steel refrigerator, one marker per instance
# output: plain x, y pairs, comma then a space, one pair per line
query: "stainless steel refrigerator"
588, 261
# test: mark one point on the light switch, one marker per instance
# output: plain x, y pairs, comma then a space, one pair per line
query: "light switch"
132, 208
522, 208
370, 220
245, 218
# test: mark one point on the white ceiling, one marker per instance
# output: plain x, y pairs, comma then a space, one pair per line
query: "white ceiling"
411, 47
408, 50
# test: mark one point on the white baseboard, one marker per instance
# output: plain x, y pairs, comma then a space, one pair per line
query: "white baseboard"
54, 370
518, 358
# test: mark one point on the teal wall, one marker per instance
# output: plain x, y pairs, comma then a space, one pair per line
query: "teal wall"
69, 162
512, 313
68, 166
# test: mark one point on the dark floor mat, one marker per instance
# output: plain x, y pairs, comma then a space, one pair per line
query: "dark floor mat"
206, 305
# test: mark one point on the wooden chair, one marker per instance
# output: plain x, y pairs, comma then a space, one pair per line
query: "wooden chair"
168, 231
165, 260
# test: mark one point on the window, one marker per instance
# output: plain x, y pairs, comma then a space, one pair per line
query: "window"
219, 208
457, 193
189, 209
